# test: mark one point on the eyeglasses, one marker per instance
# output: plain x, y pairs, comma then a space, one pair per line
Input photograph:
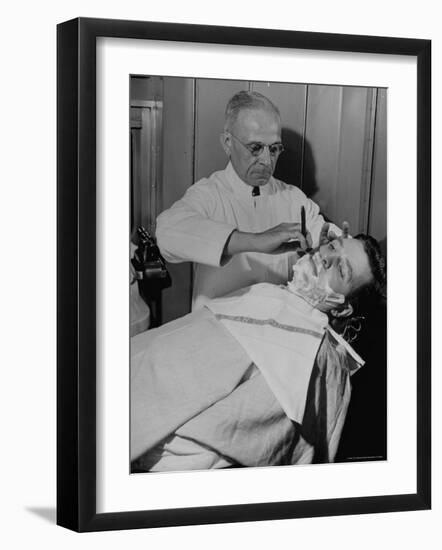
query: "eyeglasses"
256, 148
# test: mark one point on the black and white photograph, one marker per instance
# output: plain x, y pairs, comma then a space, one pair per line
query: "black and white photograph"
258, 276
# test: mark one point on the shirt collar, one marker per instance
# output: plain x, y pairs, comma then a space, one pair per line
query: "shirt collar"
242, 189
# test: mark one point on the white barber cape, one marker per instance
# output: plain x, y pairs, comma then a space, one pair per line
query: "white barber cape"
247, 380
281, 333
197, 227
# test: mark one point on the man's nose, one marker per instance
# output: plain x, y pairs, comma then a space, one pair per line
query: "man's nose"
265, 157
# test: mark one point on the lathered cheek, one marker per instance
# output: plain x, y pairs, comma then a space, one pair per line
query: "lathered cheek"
310, 282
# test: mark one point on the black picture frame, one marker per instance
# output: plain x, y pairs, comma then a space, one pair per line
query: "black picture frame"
76, 273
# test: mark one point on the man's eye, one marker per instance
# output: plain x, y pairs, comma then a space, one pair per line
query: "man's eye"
255, 148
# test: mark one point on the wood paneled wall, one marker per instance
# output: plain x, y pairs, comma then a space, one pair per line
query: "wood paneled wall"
178, 175
377, 219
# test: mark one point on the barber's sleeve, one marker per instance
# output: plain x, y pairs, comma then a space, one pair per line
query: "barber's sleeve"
315, 221
185, 232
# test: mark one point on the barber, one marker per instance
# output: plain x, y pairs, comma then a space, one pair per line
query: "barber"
241, 226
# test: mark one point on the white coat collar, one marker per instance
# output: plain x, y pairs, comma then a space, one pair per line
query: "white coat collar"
244, 191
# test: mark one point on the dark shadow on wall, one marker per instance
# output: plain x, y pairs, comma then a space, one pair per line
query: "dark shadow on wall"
296, 165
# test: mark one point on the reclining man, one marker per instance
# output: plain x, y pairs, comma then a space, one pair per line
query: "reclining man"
259, 377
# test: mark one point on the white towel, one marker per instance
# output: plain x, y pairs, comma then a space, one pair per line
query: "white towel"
281, 333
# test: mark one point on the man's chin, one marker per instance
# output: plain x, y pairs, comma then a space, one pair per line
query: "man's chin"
259, 181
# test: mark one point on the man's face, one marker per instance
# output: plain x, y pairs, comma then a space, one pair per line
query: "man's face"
253, 126
331, 273
346, 265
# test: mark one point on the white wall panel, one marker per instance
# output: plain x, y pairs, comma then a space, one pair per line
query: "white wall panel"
339, 133
377, 225
178, 138
323, 122
211, 100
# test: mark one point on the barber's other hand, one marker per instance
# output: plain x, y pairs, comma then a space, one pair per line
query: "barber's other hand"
326, 235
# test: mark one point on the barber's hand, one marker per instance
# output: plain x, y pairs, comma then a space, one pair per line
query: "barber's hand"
326, 235
285, 237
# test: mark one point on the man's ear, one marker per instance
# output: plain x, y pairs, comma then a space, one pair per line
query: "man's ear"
225, 142
345, 311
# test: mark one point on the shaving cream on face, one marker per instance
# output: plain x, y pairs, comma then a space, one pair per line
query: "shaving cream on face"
310, 281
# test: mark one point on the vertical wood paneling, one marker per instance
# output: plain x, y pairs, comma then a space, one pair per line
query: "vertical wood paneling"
135, 176
322, 144
290, 100
368, 159
337, 134
178, 138
147, 208
211, 100
178, 135
377, 224
353, 169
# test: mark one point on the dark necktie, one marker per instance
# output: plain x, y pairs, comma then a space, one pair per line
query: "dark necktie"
255, 191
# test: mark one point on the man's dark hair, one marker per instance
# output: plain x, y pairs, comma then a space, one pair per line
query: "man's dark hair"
367, 299
377, 287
